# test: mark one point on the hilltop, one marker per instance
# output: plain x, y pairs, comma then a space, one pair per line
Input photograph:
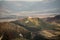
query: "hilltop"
30, 29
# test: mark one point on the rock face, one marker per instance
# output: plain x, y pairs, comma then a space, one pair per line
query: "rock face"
54, 19
11, 31
57, 17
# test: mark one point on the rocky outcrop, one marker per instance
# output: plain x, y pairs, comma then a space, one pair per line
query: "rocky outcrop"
11, 31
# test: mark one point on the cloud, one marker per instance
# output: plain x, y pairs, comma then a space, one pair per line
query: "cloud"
30, 13
18, 5
0, 0
41, 11
24, 0
14, 3
4, 11
27, 6
30, 8
32, 0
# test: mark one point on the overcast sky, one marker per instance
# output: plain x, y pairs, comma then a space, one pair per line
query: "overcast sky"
25, 0
29, 7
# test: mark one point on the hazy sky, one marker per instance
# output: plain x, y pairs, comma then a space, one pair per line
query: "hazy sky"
29, 7
25, 0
